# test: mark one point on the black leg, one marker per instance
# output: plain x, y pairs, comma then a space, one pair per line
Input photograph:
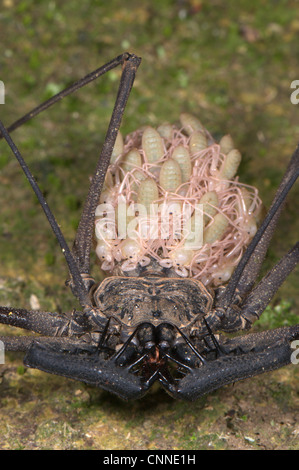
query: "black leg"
67, 91
261, 295
257, 300
17, 343
51, 324
83, 240
82, 244
78, 286
23, 343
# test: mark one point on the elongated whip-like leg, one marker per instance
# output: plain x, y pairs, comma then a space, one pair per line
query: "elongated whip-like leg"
45, 323
67, 91
258, 299
84, 235
79, 287
83, 240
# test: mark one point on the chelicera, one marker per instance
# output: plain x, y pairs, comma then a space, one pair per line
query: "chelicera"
150, 321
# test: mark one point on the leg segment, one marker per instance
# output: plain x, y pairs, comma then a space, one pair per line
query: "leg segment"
51, 324
82, 243
248, 268
238, 317
67, 91
83, 240
79, 288
75, 360
261, 295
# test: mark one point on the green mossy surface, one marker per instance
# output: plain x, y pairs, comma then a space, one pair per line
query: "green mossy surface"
229, 63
